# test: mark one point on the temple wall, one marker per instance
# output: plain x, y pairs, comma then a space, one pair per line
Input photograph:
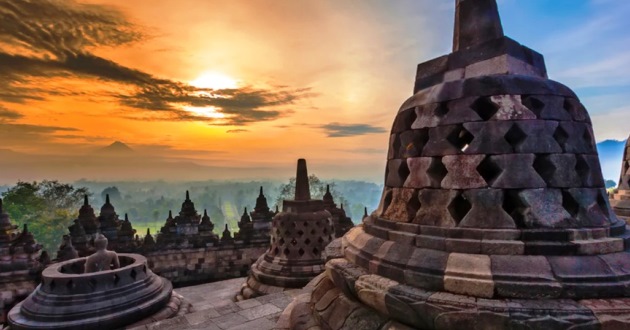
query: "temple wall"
189, 266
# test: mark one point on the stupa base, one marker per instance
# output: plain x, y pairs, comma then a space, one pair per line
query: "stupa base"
253, 288
347, 298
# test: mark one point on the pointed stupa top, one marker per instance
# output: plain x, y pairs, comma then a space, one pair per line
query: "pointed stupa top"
261, 203
365, 214
476, 22
328, 197
302, 188
107, 208
170, 214
85, 200
187, 195
126, 217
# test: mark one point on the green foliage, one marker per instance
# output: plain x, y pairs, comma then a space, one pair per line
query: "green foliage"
610, 184
48, 207
317, 188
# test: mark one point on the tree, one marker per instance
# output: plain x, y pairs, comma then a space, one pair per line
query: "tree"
113, 192
610, 184
317, 188
48, 207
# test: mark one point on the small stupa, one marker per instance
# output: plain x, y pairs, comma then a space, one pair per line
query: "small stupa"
299, 235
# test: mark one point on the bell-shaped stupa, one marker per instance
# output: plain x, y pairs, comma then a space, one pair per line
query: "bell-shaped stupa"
299, 235
620, 199
494, 213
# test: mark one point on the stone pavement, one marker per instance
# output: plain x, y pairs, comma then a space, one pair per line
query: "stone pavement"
216, 310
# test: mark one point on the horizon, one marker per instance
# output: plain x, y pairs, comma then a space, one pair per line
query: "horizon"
209, 90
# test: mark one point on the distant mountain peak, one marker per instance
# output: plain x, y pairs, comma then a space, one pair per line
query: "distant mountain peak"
117, 148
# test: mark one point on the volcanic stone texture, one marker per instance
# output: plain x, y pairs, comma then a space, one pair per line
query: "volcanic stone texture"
620, 199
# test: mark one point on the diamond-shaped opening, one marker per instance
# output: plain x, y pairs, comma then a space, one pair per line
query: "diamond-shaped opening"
437, 171
603, 204
307, 241
287, 233
116, 279
568, 107
312, 231
92, 283
460, 138
513, 206
281, 241
293, 224
544, 167
315, 251
301, 252
300, 232
459, 207
570, 204
489, 170
133, 274
403, 171
293, 242
325, 230
485, 108
306, 224
582, 168
320, 240
588, 138
405, 119
534, 105
561, 136
276, 251
387, 201
441, 110
413, 205
515, 136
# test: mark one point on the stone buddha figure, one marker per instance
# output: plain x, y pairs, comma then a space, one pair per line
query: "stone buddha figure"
102, 259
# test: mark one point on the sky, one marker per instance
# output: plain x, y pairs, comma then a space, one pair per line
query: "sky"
245, 87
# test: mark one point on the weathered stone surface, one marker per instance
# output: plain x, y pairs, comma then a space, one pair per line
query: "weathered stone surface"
461, 172
433, 209
486, 210
469, 274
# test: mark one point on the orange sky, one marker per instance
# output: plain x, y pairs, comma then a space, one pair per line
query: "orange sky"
315, 79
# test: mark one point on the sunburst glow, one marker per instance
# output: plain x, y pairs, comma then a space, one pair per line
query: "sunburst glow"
210, 112
214, 80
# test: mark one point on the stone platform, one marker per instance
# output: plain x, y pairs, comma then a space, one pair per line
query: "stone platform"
215, 309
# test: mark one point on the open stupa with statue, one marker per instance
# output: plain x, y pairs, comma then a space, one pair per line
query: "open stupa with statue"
494, 213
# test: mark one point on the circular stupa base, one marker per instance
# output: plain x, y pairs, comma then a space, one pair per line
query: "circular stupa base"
350, 297
71, 299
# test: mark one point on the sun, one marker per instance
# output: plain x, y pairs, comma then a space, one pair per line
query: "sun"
214, 80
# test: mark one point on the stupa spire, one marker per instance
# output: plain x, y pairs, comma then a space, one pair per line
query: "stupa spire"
187, 195
85, 200
107, 199
302, 189
476, 22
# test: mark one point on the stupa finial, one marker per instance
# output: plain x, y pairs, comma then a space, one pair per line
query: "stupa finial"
107, 199
85, 200
187, 195
476, 22
302, 189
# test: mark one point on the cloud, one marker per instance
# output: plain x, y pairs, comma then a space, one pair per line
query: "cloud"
237, 131
53, 39
6, 114
346, 130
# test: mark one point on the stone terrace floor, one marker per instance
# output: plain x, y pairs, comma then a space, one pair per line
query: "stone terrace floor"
215, 309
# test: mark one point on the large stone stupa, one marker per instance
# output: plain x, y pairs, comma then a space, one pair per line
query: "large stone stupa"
620, 199
494, 213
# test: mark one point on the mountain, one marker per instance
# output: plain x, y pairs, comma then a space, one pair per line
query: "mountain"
610, 155
116, 149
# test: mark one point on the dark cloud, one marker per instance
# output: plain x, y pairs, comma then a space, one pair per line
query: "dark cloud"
25, 135
52, 38
237, 131
6, 114
345, 130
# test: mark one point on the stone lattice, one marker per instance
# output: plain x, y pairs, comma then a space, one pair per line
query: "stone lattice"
299, 235
620, 199
494, 212
341, 221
